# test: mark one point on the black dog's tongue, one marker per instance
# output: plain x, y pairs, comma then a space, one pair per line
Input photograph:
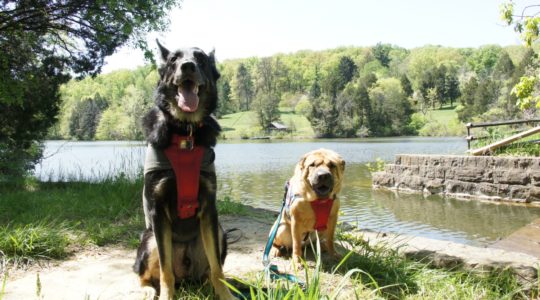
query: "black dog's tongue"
187, 97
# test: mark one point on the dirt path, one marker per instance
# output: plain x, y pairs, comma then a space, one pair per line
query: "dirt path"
105, 273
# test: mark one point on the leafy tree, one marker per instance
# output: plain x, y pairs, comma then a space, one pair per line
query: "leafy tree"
340, 75
390, 107
85, 117
225, 105
381, 53
42, 43
484, 59
268, 95
504, 68
315, 89
324, 116
244, 87
266, 106
406, 85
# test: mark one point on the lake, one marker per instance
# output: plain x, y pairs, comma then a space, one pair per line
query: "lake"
254, 172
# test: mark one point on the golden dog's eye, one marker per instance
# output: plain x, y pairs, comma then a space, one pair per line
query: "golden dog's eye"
312, 164
331, 165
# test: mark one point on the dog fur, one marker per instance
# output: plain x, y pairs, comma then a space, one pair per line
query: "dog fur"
318, 175
174, 249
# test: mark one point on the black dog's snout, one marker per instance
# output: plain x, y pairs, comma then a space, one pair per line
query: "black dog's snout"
188, 67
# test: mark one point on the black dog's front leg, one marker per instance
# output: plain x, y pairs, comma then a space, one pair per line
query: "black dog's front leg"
157, 205
209, 232
163, 234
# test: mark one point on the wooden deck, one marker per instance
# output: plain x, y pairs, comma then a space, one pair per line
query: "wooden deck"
525, 240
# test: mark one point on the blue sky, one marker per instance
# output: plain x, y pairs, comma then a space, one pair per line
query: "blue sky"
243, 28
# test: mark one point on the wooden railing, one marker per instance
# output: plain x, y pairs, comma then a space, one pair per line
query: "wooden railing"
470, 137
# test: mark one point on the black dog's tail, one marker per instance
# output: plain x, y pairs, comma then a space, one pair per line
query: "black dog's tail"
233, 238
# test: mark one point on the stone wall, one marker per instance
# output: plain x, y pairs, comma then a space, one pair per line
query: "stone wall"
515, 179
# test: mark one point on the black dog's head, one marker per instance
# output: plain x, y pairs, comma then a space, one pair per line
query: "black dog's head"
187, 83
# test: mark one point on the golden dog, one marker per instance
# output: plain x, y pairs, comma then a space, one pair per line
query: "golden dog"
313, 188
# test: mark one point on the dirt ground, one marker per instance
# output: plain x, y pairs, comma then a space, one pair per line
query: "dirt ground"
105, 272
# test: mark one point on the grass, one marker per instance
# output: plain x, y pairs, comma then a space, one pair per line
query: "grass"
45, 220
245, 125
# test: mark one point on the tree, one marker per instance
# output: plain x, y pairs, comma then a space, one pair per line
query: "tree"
43, 43
390, 108
268, 95
527, 90
225, 105
244, 87
382, 53
86, 116
406, 85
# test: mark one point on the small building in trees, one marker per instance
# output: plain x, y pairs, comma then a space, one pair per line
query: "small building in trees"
276, 126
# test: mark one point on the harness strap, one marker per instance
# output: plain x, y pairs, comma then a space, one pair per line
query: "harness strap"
185, 159
322, 208
271, 270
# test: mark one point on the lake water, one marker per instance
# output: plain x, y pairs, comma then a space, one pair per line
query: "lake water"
254, 173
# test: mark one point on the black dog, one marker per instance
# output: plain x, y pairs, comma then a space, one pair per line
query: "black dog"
183, 239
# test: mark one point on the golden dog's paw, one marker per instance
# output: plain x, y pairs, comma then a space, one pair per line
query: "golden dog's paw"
274, 252
297, 263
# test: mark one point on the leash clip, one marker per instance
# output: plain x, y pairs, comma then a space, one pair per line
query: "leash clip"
187, 143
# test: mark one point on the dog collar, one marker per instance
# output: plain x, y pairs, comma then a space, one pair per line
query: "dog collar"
185, 159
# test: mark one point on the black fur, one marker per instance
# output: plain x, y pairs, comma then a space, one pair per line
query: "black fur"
159, 124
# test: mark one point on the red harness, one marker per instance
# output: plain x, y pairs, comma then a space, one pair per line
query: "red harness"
185, 159
321, 207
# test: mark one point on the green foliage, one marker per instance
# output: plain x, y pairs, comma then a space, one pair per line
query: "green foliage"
381, 53
524, 91
344, 92
376, 166
85, 118
303, 107
45, 42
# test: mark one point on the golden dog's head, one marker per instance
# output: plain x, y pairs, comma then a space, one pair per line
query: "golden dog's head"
320, 173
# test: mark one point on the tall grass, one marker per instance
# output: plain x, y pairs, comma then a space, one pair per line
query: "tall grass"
50, 220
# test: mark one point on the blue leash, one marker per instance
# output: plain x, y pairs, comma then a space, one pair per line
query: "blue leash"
271, 270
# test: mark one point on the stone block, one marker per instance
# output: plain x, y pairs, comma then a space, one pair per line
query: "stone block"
410, 183
431, 172
519, 193
519, 177
459, 187
383, 179
534, 194
535, 178
490, 189
434, 186
469, 174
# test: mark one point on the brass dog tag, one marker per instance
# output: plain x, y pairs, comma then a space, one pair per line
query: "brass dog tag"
186, 144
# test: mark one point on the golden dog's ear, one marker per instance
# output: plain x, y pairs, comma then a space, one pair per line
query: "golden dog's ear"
342, 163
299, 168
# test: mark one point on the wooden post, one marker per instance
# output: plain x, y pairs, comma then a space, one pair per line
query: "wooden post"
508, 140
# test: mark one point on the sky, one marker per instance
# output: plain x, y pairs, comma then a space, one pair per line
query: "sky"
245, 28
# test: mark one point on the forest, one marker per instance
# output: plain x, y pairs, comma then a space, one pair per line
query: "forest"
383, 90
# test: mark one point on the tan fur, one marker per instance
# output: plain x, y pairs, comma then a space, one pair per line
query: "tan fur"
295, 227
153, 264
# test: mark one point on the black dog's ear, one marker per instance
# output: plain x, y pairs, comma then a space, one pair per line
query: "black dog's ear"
212, 61
164, 52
